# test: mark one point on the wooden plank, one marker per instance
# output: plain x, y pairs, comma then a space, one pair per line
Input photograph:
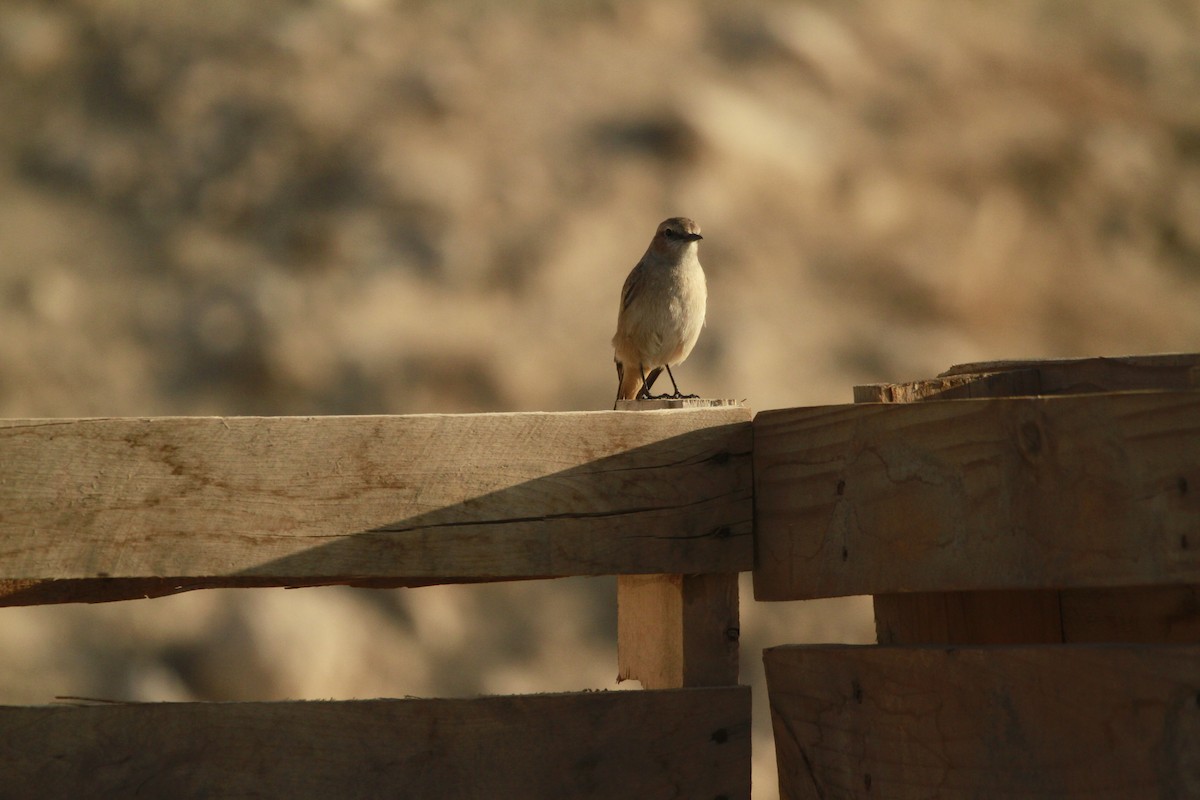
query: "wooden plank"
1107, 373
678, 630
683, 743
1011, 493
1049, 721
1166, 614
969, 617
124, 505
1135, 614
677, 402
1128, 614
1063, 376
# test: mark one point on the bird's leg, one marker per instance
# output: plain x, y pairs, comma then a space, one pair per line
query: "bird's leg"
677, 395
649, 382
644, 392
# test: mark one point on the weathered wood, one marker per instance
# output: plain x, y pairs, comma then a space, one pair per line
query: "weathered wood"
685, 743
1056, 721
678, 630
677, 402
1166, 614
1020, 493
1064, 376
1105, 373
1011, 383
121, 507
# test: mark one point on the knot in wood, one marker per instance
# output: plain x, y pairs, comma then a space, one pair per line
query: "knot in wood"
1029, 439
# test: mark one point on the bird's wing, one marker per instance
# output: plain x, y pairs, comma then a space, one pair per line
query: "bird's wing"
633, 284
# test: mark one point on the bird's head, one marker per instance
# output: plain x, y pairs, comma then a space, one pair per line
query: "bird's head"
675, 235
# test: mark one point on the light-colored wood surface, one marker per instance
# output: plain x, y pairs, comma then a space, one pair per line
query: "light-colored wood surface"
692, 743
1011, 493
1058, 721
677, 402
678, 630
119, 506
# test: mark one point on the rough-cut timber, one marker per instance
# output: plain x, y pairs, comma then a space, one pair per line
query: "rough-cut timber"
1091, 722
1172, 371
675, 402
678, 630
102, 509
1011, 493
692, 743
1123, 614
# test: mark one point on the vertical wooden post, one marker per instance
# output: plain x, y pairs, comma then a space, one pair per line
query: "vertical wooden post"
678, 630
675, 631
1163, 614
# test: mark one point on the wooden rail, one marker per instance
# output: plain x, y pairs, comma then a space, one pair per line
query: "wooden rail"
1005, 493
681, 743
1082, 721
1000, 514
1030, 532
107, 509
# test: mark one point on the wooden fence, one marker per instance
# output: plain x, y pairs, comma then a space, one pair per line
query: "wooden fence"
108, 509
1029, 531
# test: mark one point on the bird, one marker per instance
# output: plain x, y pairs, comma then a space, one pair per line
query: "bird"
662, 310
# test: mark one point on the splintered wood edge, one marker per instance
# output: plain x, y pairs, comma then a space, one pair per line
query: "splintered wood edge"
1167, 360
682, 402
1013, 378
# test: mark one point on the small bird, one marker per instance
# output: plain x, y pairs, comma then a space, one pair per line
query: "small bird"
662, 310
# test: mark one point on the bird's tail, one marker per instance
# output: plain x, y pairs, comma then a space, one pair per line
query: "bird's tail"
629, 382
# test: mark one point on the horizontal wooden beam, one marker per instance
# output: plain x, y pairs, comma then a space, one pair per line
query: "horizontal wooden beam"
1051, 721
1171, 371
681, 743
100, 509
1006, 493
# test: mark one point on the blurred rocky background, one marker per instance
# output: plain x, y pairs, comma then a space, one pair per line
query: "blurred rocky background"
286, 207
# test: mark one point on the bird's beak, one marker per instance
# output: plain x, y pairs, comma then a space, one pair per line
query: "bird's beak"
692, 237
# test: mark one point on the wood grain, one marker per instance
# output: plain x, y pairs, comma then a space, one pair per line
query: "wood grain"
678, 630
1012, 493
1123, 614
691, 743
111, 508
1056, 721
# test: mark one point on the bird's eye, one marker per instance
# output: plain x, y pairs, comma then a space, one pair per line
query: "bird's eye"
670, 234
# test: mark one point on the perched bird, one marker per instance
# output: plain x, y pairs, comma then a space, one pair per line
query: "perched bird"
662, 310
